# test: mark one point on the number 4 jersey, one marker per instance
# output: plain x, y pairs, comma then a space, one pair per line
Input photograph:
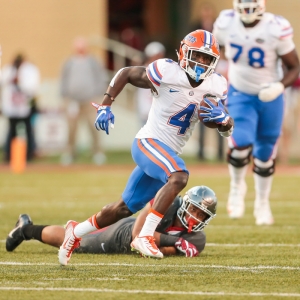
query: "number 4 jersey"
253, 53
174, 110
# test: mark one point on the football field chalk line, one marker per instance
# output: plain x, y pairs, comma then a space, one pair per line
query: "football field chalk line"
229, 245
12, 263
149, 292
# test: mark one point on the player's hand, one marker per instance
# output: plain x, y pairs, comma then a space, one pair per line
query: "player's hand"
187, 248
270, 91
216, 114
105, 117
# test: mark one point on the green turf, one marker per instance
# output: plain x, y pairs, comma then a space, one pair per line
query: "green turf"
234, 271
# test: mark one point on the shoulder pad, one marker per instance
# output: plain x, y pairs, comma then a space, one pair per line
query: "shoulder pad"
280, 27
224, 18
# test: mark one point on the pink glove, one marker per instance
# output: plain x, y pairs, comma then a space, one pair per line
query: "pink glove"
187, 248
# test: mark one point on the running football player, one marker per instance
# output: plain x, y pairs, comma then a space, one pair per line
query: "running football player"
258, 45
177, 90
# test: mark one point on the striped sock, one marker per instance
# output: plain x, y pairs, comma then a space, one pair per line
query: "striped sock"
86, 227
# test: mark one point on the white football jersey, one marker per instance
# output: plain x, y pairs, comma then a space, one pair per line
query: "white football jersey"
174, 111
253, 53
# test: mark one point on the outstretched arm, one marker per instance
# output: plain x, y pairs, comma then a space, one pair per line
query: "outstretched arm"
133, 75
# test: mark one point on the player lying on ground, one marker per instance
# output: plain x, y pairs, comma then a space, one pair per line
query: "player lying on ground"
178, 89
180, 231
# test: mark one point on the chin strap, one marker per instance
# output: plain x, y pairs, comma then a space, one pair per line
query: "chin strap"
198, 70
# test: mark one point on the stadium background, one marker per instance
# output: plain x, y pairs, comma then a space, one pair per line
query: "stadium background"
45, 29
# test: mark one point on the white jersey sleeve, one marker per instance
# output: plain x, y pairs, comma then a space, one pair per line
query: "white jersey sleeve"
282, 30
221, 24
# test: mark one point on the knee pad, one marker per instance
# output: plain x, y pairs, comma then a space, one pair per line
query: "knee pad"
263, 169
239, 158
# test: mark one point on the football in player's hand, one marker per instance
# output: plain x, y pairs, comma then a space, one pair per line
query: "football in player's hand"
214, 101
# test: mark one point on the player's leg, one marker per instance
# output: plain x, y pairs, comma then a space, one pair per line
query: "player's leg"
25, 230
115, 238
264, 153
140, 189
162, 163
242, 109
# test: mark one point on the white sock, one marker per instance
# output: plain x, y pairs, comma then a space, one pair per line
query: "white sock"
151, 222
263, 187
237, 175
86, 227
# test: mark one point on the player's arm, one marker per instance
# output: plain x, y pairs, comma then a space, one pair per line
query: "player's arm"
133, 75
291, 63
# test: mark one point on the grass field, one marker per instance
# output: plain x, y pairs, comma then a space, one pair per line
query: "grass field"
240, 261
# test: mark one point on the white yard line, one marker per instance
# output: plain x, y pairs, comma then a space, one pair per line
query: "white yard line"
199, 293
229, 245
12, 263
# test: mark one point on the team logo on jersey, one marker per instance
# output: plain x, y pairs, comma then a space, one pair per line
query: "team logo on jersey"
260, 41
191, 93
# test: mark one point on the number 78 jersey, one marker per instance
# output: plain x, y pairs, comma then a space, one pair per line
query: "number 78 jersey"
253, 53
174, 110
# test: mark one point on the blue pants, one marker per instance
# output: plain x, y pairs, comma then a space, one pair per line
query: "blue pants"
256, 123
155, 164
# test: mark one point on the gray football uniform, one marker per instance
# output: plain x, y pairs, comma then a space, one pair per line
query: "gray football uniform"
117, 237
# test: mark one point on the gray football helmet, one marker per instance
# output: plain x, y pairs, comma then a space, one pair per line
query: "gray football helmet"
202, 197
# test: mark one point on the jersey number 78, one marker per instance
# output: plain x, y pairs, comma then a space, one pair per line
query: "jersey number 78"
255, 55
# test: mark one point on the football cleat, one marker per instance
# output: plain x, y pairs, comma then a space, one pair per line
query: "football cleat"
263, 213
145, 245
16, 236
71, 242
236, 202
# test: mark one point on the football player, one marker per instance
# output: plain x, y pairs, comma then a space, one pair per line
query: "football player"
257, 45
180, 230
177, 90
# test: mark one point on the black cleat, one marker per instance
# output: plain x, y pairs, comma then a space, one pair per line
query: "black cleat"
16, 236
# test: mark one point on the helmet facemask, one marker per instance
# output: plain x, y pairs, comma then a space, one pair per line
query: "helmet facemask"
188, 220
249, 10
199, 71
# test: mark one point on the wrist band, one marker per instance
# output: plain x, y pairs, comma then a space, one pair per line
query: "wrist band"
111, 97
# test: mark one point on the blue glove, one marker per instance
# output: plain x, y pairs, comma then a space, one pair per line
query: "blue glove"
216, 114
104, 118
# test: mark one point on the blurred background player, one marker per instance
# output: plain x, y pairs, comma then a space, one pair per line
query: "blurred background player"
83, 79
256, 43
177, 91
20, 82
153, 51
175, 234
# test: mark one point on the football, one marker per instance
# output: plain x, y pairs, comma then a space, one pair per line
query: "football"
213, 99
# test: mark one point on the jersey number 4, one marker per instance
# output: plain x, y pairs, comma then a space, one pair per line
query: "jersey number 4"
255, 56
182, 119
